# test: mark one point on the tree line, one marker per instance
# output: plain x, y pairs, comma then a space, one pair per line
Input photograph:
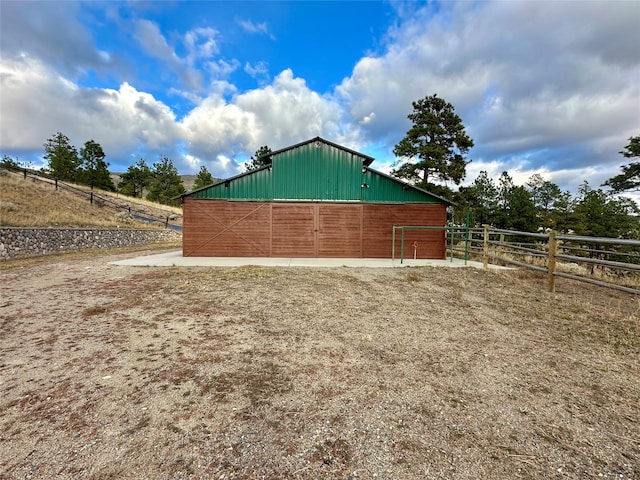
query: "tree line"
159, 181
433, 155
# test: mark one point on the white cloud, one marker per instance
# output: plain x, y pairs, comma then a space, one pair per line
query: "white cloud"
259, 71
201, 48
226, 163
49, 31
251, 27
151, 39
280, 114
522, 75
201, 43
192, 161
542, 87
120, 120
221, 68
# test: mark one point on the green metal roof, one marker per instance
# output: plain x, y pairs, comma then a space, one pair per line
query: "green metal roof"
316, 170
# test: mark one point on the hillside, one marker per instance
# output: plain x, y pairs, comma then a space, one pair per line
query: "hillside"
187, 180
35, 203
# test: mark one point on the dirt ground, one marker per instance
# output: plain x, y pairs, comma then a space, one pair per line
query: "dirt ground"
110, 372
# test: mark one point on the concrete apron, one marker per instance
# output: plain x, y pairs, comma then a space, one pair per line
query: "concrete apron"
175, 259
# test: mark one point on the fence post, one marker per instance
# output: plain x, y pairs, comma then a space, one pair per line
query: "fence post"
551, 262
485, 249
451, 234
166, 223
91, 198
466, 238
56, 183
393, 243
25, 173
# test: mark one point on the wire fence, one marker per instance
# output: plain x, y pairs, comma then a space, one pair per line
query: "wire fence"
93, 198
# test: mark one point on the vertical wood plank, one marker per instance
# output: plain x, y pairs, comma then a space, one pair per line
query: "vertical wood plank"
485, 249
551, 262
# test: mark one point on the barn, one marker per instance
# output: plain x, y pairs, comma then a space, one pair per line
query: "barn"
313, 199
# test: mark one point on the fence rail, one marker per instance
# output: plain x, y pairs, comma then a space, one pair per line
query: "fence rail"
141, 215
606, 262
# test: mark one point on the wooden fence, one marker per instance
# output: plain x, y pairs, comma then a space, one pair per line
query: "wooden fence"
38, 176
607, 262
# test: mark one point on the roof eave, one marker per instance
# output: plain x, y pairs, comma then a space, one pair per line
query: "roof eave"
230, 179
405, 184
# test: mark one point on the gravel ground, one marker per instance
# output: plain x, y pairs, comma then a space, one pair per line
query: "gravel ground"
301, 373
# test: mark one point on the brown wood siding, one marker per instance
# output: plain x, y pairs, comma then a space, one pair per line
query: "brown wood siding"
215, 228
339, 230
380, 219
223, 228
293, 230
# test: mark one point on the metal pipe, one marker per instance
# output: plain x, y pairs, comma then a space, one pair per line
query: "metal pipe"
520, 264
619, 241
393, 243
466, 238
597, 282
520, 234
594, 261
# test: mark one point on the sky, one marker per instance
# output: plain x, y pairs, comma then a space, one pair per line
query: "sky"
551, 88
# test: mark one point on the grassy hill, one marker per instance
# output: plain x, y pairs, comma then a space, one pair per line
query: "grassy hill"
187, 180
32, 203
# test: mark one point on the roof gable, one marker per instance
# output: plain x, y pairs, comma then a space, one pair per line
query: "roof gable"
316, 170
366, 159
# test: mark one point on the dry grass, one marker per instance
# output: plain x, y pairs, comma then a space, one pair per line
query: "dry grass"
620, 277
137, 202
284, 373
31, 203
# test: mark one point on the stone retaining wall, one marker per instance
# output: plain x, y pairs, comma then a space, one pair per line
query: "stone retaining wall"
30, 242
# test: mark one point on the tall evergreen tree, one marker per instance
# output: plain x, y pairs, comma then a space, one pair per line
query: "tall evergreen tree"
95, 171
480, 199
9, 163
562, 215
165, 183
521, 211
516, 210
259, 159
505, 185
135, 179
629, 179
62, 158
544, 194
434, 148
598, 214
487, 198
203, 179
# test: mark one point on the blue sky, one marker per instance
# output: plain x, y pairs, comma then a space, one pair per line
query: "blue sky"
542, 87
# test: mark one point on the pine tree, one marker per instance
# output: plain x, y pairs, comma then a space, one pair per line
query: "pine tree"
259, 159
62, 157
135, 179
435, 147
166, 183
95, 171
629, 179
203, 179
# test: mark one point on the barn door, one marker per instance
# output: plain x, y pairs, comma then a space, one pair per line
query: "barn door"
293, 230
339, 231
